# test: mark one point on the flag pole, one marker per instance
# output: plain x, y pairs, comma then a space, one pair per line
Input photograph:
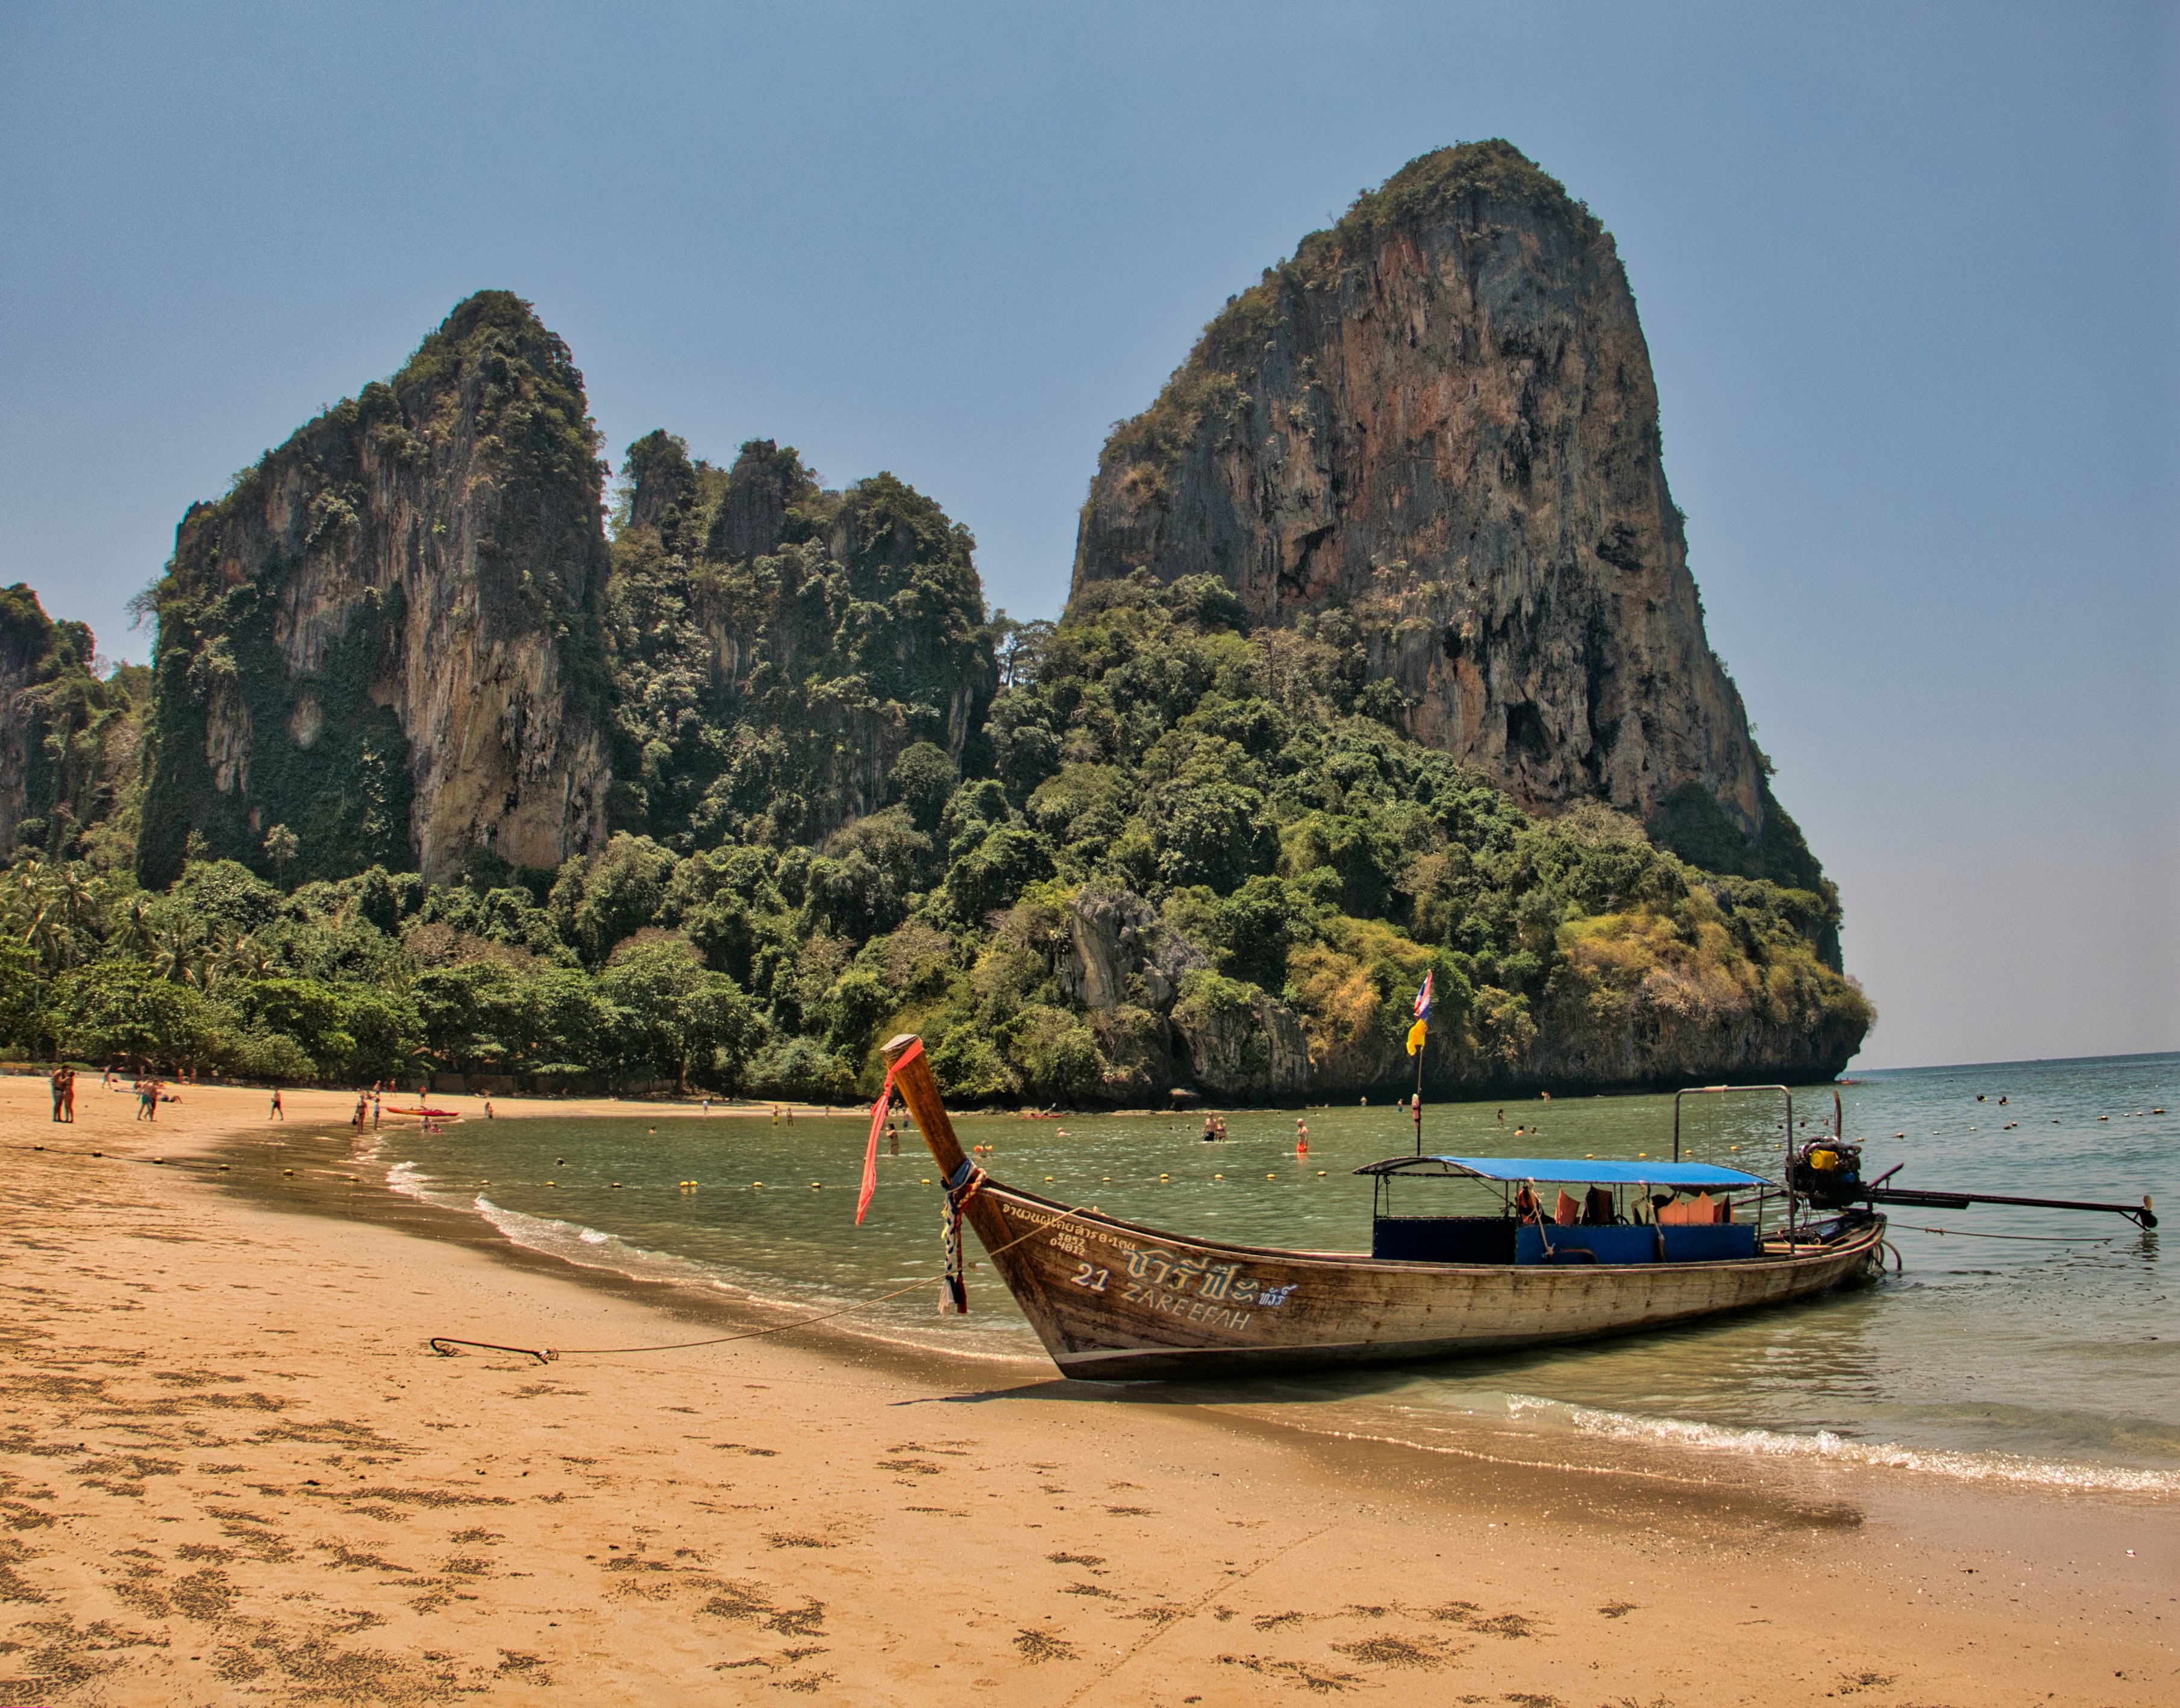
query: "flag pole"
1419, 1100
1418, 1038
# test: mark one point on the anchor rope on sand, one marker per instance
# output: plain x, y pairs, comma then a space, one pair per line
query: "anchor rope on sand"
444, 1344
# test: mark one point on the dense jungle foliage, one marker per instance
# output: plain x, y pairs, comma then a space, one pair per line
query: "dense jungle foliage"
1272, 849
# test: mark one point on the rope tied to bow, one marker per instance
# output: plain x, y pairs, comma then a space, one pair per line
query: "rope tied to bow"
960, 1187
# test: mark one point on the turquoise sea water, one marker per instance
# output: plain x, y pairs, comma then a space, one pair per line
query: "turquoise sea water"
2051, 1355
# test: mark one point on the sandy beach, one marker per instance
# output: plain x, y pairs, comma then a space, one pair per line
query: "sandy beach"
235, 1471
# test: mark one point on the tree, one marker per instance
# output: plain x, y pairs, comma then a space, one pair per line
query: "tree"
675, 1015
923, 779
1020, 649
996, 871
281, 848
112, 1011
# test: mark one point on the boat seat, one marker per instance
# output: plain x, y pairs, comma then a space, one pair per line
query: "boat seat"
1443, 1239
1608, 1245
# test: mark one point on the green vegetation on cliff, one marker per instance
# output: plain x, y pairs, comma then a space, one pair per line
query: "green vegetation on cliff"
430, 774
1185, 855
67, 737
776, 646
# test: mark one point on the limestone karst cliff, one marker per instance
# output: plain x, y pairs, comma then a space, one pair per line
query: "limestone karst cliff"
1432, 437
386, 636
68, 739
1382, 664
776, 647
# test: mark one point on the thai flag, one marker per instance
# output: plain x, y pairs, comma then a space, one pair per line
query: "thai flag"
1423, 998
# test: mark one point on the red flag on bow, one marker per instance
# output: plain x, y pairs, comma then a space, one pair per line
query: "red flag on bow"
877, 1125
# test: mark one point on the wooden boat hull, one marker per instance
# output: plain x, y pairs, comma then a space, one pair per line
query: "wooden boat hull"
1112, 1300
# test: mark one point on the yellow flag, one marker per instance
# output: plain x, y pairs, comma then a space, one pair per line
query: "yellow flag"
1416, 1037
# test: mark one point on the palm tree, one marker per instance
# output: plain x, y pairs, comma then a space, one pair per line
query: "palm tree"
174, 952
131, 931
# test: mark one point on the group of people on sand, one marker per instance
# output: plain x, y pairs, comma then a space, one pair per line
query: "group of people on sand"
149, 1091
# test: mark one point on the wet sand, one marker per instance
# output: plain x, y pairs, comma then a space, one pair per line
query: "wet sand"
236, 1473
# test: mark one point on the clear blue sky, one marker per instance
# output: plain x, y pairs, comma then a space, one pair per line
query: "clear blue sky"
1908, 275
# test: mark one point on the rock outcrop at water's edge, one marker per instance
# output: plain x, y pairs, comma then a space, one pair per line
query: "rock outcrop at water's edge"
1433, 435
386, 636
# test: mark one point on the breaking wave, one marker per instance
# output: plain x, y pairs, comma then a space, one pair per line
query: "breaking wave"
1828, 1446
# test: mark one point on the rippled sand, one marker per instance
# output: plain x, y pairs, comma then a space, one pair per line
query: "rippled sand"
236, 1473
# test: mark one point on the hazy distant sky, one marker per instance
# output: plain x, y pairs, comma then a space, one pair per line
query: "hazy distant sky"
1908, 274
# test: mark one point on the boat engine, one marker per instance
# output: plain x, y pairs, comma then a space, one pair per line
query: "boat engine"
1828, 1173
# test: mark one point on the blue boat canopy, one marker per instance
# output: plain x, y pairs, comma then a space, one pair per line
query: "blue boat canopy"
1569, 1170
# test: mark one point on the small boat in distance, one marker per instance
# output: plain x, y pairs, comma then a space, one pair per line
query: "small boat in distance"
1114, 1300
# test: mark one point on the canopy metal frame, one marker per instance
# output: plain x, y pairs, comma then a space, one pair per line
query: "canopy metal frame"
1455, 1169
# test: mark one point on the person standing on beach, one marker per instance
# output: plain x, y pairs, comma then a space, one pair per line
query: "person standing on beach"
374, 1109
67, 1098
147, 1099
276, 1112
60, 1079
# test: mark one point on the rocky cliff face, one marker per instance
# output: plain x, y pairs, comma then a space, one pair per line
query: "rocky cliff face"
26, 635
69, 740
386, 637
1432, 437
777, 647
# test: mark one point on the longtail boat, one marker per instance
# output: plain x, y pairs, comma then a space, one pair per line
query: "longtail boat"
1114, 1299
